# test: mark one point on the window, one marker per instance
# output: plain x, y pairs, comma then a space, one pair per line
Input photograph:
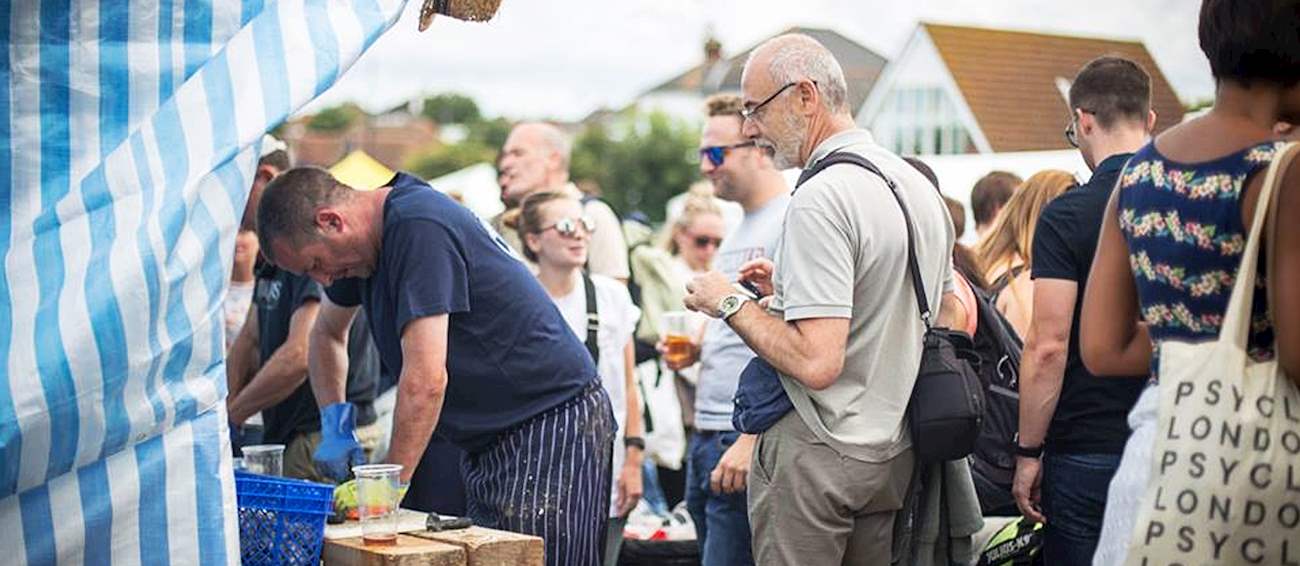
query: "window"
921, 121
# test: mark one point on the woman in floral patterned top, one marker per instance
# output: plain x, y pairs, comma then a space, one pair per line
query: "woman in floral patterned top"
1175, 230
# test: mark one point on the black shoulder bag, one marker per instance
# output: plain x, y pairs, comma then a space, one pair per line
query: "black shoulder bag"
947, 405
593, 320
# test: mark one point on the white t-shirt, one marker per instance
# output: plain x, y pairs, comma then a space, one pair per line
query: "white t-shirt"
618, 318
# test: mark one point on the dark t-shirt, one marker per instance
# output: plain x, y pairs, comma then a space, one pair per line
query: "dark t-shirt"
278, 295
1091, 415
510, 355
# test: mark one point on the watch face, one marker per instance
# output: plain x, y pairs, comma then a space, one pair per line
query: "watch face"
729, 303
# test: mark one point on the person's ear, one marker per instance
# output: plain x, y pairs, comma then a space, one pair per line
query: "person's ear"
1087, 122
534, 242
329, 220
265, 173
1151, 120
809, 97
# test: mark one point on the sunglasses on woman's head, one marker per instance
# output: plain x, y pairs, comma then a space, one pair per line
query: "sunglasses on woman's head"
717, 154
568, 227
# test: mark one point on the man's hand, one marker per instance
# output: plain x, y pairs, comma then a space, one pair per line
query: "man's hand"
1026, 488
339, 449
629, 482
704, 292
759, 273
732, 469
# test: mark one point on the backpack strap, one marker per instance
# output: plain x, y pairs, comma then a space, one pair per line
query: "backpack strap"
593, 319
913, 268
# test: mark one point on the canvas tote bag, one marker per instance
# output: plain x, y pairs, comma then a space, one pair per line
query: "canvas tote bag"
1225, 468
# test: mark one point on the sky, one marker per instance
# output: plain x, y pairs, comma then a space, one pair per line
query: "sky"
563, 59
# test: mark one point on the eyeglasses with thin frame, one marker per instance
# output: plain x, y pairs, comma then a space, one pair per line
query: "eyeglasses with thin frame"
717, 154
1072, 129
751, 113
568, 227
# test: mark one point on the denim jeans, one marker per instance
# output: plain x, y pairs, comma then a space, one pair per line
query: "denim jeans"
721, 520
1074, 502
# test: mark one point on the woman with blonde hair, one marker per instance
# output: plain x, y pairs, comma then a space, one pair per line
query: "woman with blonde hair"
685, 248
1005, 252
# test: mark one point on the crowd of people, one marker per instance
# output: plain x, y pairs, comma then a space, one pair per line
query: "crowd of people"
528, 351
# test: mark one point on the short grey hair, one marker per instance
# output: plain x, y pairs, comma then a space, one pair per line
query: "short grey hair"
796, 57
555, 139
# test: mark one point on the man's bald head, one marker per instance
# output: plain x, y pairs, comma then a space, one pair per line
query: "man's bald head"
535, 157
793, 57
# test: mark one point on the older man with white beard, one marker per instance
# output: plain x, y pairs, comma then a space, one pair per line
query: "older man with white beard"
843, 329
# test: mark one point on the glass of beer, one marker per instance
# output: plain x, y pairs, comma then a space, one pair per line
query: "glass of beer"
378, 495
677, 337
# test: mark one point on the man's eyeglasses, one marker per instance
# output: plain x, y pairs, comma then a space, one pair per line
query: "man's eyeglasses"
1072, 129
706, 241
717, 154
568, 227
751, 113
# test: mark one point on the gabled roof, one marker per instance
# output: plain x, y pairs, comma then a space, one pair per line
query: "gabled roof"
861, 65
1009, 80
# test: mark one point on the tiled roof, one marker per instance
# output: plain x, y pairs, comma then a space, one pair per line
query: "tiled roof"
1009, 80
861, 66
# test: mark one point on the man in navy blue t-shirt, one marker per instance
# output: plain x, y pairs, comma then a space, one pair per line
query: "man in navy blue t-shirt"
481, 353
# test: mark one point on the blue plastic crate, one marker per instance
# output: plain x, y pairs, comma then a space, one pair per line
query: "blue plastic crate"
281, 521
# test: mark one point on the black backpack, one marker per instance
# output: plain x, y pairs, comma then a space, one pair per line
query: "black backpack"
999, 348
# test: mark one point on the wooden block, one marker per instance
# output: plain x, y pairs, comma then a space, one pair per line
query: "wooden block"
408, 551
487, 547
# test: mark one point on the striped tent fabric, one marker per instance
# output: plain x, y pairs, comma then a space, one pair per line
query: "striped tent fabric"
129, 132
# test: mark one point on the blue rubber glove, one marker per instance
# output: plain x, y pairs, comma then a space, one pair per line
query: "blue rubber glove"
339, 449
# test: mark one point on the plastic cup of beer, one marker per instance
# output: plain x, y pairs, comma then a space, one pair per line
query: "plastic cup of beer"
265, 459
378, 495
677, 337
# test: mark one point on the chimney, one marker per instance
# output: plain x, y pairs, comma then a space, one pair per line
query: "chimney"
712, 51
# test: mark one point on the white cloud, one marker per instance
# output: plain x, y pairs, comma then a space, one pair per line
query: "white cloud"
565, 59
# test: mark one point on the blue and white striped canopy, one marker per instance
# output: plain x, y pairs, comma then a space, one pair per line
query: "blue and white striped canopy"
128, 138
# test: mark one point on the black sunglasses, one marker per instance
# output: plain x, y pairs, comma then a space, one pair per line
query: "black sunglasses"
717, 154
705, 241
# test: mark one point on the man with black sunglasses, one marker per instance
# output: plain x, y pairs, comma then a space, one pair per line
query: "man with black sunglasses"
719, 457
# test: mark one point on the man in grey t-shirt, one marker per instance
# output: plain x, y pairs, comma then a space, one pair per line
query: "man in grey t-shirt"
719, 457
844, 332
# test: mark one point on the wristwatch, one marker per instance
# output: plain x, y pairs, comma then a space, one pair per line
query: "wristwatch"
730, 305
1027, 452
637, 441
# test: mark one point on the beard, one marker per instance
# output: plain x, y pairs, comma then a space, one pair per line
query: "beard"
785, 141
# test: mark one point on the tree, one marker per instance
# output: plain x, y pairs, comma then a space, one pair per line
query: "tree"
445, 159
450, 108
336, 118
651, 161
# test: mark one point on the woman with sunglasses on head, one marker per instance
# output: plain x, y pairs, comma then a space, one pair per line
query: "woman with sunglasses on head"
555, 235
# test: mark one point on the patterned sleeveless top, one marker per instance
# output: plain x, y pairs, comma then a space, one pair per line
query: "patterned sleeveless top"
1182, 222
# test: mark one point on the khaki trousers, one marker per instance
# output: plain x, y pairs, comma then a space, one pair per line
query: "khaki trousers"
810, 505
297, 455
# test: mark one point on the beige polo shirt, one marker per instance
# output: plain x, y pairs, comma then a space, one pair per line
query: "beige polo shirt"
843, 254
